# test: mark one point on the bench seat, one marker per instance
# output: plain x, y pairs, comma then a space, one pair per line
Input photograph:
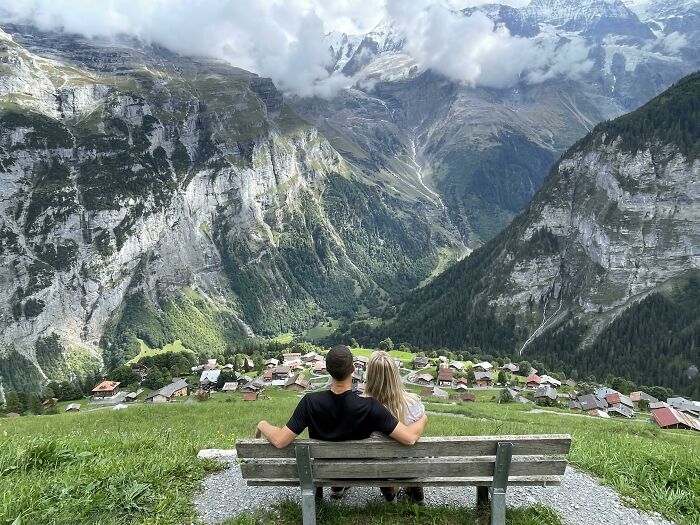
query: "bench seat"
490, 463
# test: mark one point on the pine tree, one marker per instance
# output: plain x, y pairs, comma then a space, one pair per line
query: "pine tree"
13, 402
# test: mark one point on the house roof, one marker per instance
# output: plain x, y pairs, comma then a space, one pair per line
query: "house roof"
483, 376
445, 374
621, 411
658, 404
267, 374
210, 375
106, 386
546, 391
636, 397
591, 402
533, 378
511, 367
360, 359
230, 387
420, 359
319, 365
462, 380
683, 404
169, 390
251, 396
250, 386
484, 365
573, 403
613, 398
73, 406
134, 395
272, 361
668, 417
549, 379
604, 391
461, 386
298, 380
457, 365
282, 369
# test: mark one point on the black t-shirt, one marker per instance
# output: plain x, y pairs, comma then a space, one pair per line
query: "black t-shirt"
341, 417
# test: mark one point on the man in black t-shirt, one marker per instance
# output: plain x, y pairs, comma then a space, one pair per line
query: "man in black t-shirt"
339, 414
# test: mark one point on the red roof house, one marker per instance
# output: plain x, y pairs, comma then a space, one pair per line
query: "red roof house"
533, 381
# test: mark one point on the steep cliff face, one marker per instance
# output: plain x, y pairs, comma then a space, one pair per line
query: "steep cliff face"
157, 197
618, 218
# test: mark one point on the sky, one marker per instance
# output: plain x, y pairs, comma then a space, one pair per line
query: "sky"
284, 39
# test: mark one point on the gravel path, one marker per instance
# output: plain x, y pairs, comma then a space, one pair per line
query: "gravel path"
580, 500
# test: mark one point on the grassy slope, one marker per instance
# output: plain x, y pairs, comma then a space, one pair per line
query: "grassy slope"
139, 465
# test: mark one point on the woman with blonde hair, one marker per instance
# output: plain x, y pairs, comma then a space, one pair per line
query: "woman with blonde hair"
383, 383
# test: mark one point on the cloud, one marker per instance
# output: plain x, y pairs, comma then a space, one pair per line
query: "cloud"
283, 39
474, 51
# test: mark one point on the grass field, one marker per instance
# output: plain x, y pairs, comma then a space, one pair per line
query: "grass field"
140, 466
405, 357
175, 346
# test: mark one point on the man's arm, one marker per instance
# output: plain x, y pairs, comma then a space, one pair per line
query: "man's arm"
409, 434
279, 437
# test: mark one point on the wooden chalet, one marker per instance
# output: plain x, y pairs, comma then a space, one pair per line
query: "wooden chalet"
420, 362
73, 407
510, 368
360, 362
298, 383
483, 366
445, 377
280, 372
532, 381
168, 392
483, 379
105, 390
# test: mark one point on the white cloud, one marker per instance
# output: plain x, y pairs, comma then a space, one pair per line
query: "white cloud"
283, 39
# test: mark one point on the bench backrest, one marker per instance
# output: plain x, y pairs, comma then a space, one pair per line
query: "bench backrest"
467, 460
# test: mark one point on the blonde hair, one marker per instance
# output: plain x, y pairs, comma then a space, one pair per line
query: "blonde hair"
383, 383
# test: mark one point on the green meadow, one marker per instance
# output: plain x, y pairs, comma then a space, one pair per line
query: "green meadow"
139, 466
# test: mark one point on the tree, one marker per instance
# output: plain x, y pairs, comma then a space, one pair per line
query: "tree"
13, 402
386, 345
502, 377
49, 393
505, 396
34, 405
124, 375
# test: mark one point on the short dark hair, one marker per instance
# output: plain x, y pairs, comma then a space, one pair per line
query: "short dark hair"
339, 362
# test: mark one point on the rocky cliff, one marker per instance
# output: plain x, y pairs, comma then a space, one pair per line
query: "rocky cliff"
154, 197
618, 218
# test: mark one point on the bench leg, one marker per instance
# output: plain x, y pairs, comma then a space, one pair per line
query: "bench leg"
306, 482
482, 496
498, 507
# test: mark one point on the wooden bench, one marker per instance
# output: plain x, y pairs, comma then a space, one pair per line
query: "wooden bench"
490, 463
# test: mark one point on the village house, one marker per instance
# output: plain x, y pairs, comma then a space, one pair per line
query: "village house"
230, 387
295, 367
457, 366
483, 366
483, 379
683, 405
545, 394
669, 417
320, 367
249, 387
604, 391
461, 380
244, 380
105, 390
289, 359
434, 392
445, 377
639, 395
280, 372
618, 400
248, 364
570, 383
549, 380
133, 396
210, 364
312, 357
575, 405
442, 359
168, 392
423, 379
461, 387
358, 376
250, 396
360, 362
73, 407
297, 383
208, 379
140, 370
272, 363
621, 411
510, 368
267, 375
47, 402
420, 362
592, 405
532, 381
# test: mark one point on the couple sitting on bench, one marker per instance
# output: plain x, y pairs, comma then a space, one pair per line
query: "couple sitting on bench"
339, 414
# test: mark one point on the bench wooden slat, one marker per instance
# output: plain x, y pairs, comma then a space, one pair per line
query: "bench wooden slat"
472, 481
426, 447
404, 468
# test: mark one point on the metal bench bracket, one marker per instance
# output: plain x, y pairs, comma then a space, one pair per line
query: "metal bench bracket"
306, 483
504, 453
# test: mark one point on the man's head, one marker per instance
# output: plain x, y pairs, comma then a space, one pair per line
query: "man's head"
339, 362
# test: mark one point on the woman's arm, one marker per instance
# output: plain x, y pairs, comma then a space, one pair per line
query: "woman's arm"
409, 434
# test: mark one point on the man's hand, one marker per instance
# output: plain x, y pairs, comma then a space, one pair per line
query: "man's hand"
279, 437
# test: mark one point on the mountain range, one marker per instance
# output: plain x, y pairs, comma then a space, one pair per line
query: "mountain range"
149, 196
